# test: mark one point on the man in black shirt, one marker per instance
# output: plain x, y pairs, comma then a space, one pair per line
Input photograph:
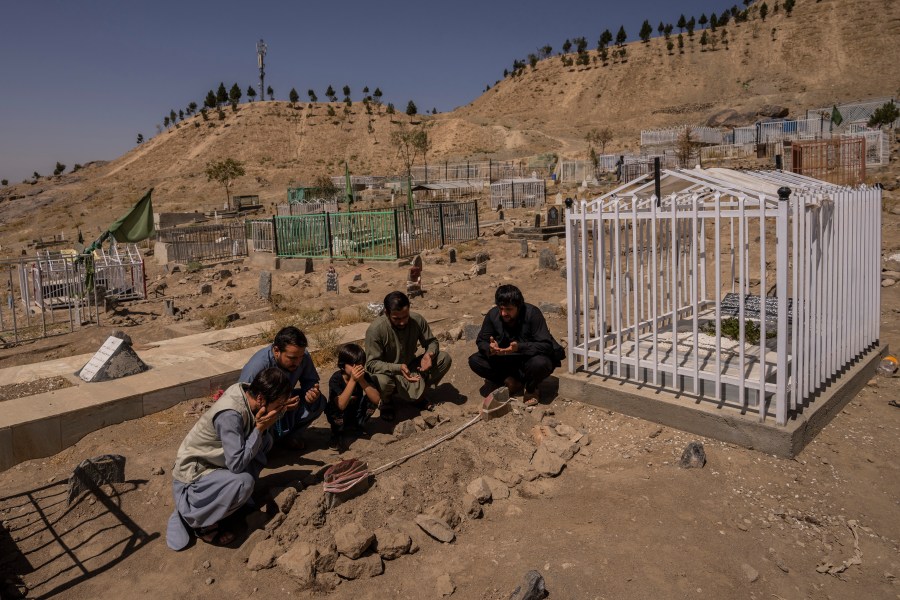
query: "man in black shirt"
515, 347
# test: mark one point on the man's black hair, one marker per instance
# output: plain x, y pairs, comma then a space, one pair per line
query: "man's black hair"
273, 383
290, 336
395, 301
509, 295
350, 354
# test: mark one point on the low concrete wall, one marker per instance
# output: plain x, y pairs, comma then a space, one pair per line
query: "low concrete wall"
725, 424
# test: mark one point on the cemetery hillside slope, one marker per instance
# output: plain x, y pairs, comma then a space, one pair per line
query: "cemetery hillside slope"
825, 52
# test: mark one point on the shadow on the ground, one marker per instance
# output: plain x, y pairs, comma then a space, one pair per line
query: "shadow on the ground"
53, 546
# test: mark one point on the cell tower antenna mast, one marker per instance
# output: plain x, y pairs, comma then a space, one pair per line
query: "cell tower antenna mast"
261, 60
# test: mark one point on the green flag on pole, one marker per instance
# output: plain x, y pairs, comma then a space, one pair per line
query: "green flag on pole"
349, 188
836, 117
137, 224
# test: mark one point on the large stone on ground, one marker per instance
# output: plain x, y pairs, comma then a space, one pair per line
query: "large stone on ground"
284, 498
480, 489
547, 260
532, 589
265, 285
94, 472
436, 528
327, 556
391, 544
499, 491
444, 586
547, 464
366, 566
444, 511
693, 457
352, 540
560, 446
404, 429
263, 555
300, 562
471, 507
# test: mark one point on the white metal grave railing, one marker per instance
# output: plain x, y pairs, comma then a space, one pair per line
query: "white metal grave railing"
262, 233
727, 152
650, 284
518, 192
853, 112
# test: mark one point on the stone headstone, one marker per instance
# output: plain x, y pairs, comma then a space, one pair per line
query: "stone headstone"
414, 280
500, 215
206, 289
547, 260
523, 248
479, 269
452, 254
537, 221
113, 360
265, 285
331, 281
553, 217
308, 267
481, 258
94, 472
362, 288
169, 308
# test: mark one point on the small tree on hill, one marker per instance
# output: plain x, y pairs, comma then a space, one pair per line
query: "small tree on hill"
140, 138
329, 93
221, 94
210, 101
661, 28
532, 60
270, 92
704, 39
703, 20
234, 95
567, 45
621, 36
788, 6
346, 90
580, 44
35, 175
763, 11
181, 115
680, 44
605, 38
225, 172
390, 108
312, 95
885, 114
376, 95
411, 108
4, 182
646, 31
166, 121
669, 45
690, 26
192, 108
681, 23
59, 168
251, 93
293, 96
668, 30
172, 117
713, 21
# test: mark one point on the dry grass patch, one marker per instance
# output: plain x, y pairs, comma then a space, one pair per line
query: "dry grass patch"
219, 317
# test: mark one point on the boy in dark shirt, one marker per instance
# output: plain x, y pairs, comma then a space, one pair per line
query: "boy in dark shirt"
515, 347
351, 396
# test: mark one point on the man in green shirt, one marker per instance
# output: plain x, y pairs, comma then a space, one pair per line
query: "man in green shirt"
391, 344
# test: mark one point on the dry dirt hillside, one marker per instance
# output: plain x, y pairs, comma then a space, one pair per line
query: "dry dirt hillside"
825, 52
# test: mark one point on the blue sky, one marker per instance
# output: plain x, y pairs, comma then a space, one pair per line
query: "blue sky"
82, 79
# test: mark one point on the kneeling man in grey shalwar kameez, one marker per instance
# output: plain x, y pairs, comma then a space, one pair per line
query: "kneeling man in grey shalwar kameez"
221, 457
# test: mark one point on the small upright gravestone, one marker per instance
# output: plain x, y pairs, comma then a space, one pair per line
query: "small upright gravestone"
265, 285
308, 267
547, 260
523, 248
553, 217
537, 221
452, 254
331, 281
113, 360
414, 280
500, 215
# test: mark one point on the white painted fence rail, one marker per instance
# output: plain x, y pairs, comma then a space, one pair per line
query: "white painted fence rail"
650, 285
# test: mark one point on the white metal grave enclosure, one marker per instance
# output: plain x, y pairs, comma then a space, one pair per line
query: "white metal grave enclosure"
752, 290
518, 192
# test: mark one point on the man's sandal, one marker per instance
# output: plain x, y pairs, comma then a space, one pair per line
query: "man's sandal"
215, 536
531, 399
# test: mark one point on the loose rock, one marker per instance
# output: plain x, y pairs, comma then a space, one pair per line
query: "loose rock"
444, 585
471, 507
391, 544
299, 561
436, 528
263, 555
480, 490
366, 566
547, 464
750, 573
444, 511
693, 457
532, 589
284, 498
327, 555
404, 429
352, 540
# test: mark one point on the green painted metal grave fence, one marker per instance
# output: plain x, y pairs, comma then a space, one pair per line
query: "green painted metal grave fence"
375, 235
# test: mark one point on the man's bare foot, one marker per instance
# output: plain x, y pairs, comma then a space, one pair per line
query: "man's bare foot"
531, 398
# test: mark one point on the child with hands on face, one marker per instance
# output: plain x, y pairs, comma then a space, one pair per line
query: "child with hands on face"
352, 399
